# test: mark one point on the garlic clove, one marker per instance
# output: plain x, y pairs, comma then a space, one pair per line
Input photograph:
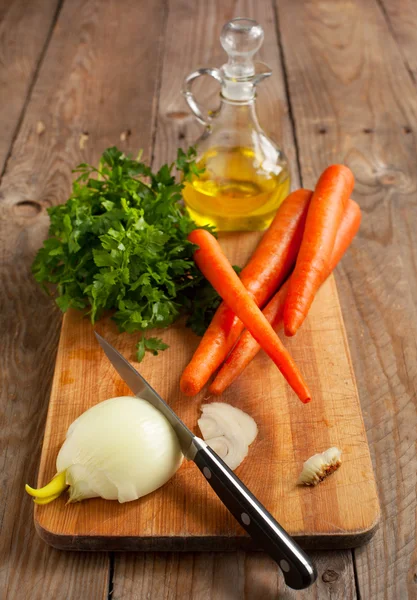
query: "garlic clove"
319, 466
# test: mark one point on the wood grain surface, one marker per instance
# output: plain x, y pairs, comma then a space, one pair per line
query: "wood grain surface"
32, 22
352, 95
401, 16
80, 87
356, 102
224, 576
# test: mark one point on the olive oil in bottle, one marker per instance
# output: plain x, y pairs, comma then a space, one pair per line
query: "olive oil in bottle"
246, 175
235, 191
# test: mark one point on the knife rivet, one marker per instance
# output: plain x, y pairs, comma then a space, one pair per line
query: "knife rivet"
284, 565
245, 518
207, 473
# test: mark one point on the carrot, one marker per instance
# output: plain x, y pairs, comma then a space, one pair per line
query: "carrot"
267, 269
247, 347
277, 251
214, 265
324, 216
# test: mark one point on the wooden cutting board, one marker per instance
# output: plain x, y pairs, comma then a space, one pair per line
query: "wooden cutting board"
185, 514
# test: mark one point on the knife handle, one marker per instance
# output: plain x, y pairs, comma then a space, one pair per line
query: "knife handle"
298, 570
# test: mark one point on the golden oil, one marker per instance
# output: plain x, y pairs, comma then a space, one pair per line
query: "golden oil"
237, 191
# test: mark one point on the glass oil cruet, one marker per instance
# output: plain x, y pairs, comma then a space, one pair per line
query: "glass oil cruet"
245, 175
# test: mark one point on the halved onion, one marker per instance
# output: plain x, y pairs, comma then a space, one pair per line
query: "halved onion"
120, 449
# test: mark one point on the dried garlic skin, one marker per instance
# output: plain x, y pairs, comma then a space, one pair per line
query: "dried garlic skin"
319, 466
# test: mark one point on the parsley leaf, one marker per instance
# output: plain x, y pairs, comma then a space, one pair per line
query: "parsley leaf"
120, 243
153, 345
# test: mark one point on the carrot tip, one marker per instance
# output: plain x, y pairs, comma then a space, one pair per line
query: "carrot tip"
188, 388
289, 331
213, 390
293, 322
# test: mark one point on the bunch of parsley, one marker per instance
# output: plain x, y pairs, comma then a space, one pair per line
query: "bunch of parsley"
120, 242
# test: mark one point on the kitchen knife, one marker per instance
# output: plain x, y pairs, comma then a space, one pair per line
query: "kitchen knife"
298, 570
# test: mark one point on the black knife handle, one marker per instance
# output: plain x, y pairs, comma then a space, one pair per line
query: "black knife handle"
298, 570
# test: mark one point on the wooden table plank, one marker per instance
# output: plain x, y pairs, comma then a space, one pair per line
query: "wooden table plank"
402, 20
33, 23
375, 281
85, 84
191, 41
351, 96
226, 576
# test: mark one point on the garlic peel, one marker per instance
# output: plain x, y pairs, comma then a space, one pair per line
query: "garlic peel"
228, 431
319, 466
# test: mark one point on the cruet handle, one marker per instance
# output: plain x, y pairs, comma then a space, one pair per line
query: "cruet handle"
189, 96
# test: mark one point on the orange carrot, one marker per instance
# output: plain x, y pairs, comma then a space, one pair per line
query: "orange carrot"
324, 216
247, 347
277, 251
214, 265
267, 269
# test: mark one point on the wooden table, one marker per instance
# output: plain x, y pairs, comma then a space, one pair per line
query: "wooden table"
81, 75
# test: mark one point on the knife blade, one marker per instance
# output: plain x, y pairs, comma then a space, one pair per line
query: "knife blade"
297, 568
141, 388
